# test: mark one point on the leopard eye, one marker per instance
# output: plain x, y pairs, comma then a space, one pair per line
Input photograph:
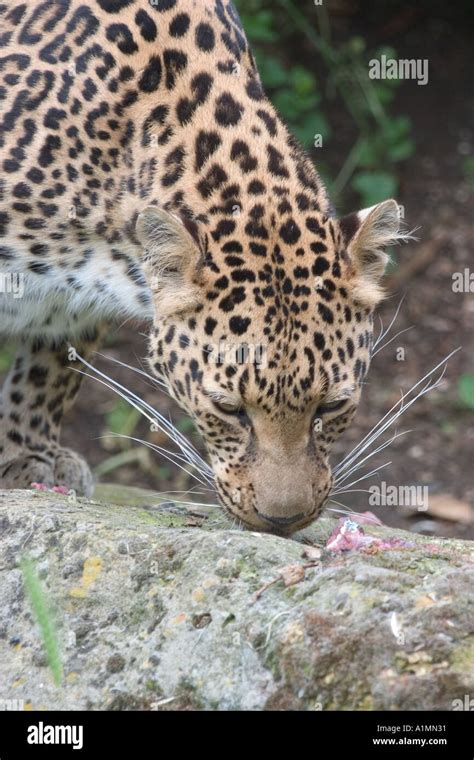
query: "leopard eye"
234, 410
331, 406
227, 407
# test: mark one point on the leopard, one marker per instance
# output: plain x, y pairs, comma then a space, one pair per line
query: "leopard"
145, 175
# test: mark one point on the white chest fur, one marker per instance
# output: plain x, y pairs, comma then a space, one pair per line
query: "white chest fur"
71, 294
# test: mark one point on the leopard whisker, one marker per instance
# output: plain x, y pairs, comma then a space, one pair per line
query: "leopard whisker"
154, 380
384, 332
160, 421
169, 455
396, 411
397, 335
378, 431
364, 477
349, 490
188, 454
380, 448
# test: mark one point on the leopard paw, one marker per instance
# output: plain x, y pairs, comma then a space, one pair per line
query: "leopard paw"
26, 469
72, 471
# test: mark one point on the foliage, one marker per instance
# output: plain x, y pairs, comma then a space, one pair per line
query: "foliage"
466, 390
43, 617
374, 186
290, 46
122, 419
468, 169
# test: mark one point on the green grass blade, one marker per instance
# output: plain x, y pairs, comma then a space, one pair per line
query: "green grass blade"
42, 617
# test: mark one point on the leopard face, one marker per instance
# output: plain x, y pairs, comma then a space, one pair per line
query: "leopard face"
267, 353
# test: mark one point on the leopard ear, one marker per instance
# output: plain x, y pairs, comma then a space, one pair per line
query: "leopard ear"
366, 234
171, 255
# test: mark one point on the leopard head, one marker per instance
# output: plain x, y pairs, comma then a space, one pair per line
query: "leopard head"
265, 342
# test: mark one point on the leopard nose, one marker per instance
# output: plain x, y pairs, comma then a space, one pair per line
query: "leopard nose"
282, 522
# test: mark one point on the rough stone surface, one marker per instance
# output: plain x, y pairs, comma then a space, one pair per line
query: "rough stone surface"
156, 608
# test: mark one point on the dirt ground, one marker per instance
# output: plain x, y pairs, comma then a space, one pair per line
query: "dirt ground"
438, 452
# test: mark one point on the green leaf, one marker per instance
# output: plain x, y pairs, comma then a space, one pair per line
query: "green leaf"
383, 93
304, 133
388, 52
302, 81
286, 103
259, 26
309, 101
368, 152
356, 45
466, 390
123, 418
43, 617
312, 125
396, 127
321, 125
374, 187
272, 72
468, 168
402, 150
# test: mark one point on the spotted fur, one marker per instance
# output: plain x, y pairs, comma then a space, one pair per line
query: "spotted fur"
144, 173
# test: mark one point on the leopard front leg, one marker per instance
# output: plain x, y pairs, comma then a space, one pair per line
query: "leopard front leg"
39, 389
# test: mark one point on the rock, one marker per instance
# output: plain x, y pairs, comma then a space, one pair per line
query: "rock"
154, 613
115, 663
